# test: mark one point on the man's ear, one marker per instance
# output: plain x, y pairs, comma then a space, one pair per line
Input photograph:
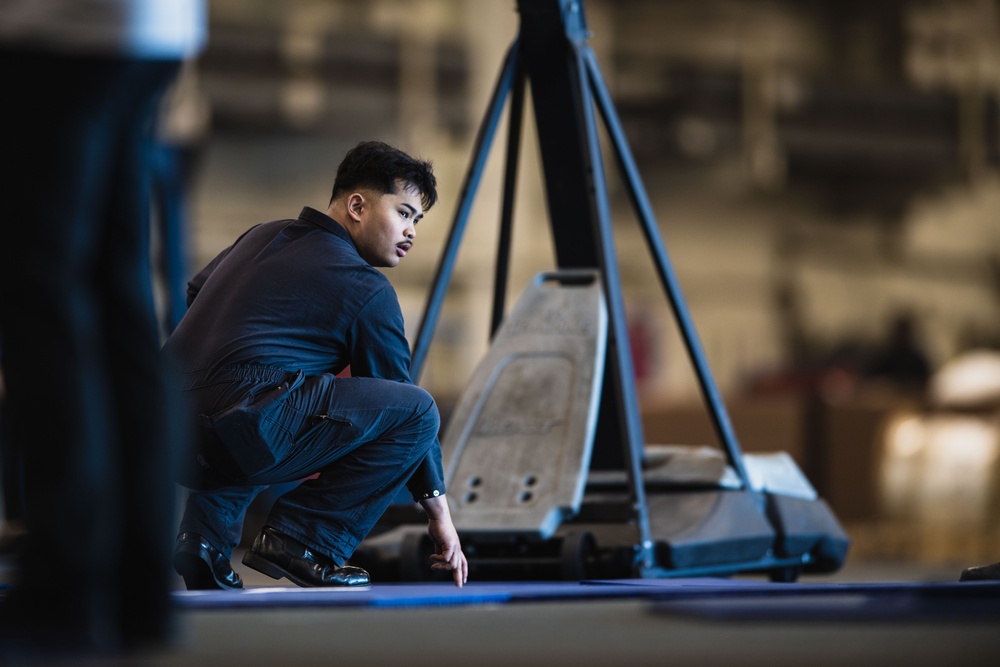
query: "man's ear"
355, 205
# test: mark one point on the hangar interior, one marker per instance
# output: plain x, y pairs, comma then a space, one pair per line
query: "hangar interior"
824, 176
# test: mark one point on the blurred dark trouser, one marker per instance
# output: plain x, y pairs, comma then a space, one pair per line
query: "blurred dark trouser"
86, 396
172, 165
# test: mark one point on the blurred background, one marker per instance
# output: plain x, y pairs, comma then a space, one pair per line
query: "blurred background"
825, 175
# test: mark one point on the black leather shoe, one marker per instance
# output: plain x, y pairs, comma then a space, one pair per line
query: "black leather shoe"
202, 565
981, 573
277, 555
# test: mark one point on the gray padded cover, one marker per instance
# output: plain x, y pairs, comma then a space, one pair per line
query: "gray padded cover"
517, 448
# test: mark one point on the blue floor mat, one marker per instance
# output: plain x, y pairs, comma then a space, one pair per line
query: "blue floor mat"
708, 597
404, 595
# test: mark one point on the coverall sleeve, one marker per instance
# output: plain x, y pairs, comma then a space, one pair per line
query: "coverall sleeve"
379, 349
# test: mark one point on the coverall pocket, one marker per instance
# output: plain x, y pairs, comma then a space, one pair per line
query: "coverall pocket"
252, 434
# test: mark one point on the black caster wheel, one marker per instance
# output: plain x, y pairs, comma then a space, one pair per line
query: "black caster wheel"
576, 556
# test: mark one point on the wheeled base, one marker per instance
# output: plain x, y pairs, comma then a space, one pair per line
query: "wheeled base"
696, 531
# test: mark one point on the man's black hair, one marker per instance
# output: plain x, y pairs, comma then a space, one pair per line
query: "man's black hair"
378, 166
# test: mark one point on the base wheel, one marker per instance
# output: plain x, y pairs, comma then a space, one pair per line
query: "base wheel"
576, 556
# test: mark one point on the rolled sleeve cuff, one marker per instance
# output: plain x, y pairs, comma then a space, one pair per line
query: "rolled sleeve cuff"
428, 480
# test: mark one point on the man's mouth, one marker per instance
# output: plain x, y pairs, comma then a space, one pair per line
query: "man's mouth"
403, 248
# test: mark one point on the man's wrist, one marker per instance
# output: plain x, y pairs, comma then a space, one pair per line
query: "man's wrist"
436, 507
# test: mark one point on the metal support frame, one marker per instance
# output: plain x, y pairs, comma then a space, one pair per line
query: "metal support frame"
551, 53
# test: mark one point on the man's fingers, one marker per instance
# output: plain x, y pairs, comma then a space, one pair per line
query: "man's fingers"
447, 559
455, 561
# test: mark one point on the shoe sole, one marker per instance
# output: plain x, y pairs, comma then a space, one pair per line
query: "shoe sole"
196, 571
257, 562
273, 570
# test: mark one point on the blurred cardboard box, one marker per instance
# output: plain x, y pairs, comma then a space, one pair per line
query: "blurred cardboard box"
761, 425
838, 447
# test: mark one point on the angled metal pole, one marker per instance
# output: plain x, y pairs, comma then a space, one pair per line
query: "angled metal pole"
619, 349
484, 139
502, 271
644, 211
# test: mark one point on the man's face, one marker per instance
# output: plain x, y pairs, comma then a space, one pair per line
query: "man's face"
384, 225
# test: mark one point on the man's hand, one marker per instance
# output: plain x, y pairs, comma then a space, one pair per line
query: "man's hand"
448, 550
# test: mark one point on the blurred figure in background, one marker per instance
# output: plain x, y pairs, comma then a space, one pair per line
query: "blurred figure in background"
180, 138
89, 424
900, 358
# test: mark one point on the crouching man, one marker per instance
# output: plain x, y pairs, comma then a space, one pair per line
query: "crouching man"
271, 321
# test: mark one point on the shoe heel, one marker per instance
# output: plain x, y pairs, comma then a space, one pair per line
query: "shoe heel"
252, 560
188, 563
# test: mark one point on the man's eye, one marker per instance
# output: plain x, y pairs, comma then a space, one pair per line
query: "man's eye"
405, 214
